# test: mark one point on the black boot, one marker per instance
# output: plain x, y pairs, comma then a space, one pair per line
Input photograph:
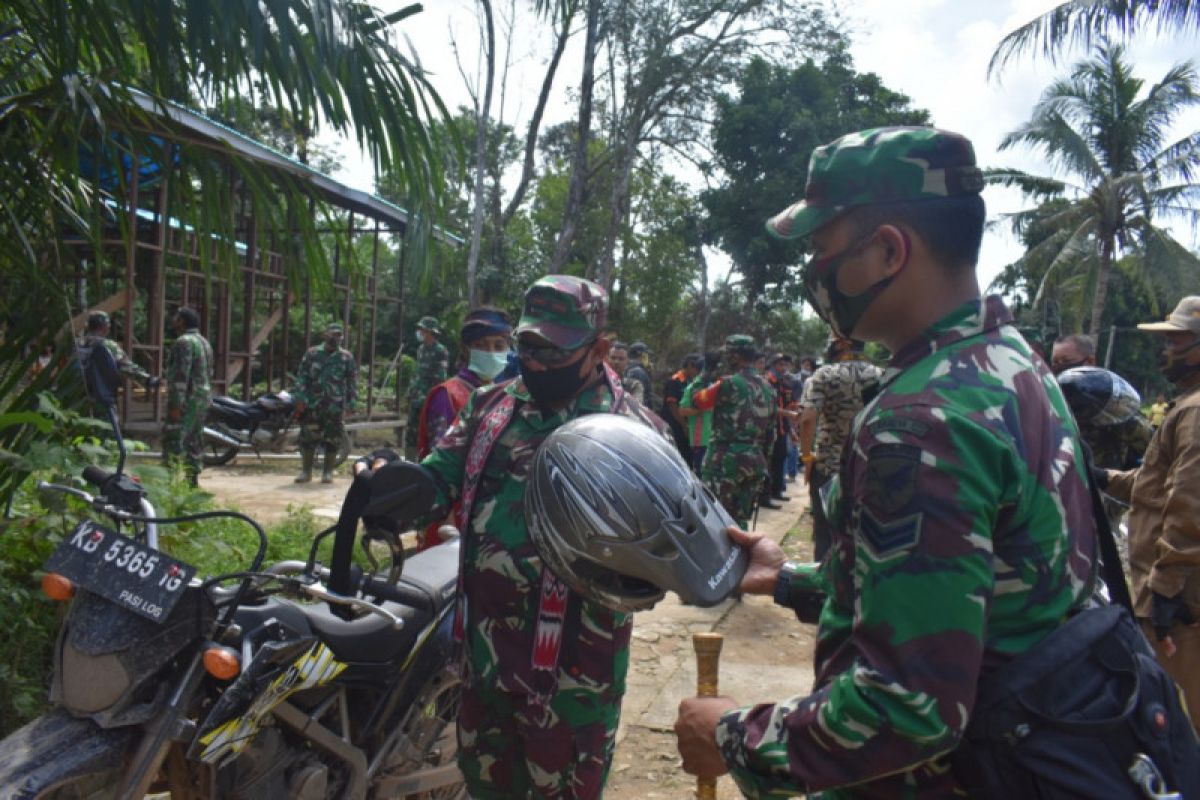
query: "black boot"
307, 454
330, 463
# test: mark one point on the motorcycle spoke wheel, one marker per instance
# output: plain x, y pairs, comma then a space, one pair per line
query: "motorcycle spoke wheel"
431, 739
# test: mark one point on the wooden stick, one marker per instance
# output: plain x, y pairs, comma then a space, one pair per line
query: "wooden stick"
708, 658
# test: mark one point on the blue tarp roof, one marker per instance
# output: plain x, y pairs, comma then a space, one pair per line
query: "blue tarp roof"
355, 200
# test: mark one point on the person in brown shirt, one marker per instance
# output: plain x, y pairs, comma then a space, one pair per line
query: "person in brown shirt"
1164, 515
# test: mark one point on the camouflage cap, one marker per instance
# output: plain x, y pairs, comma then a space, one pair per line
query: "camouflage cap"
742, 344
881, 165
97, 319
428, 324
1185, 317
334, 327
565, 310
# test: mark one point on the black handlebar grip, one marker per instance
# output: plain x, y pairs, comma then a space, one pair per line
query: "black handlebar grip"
96, 476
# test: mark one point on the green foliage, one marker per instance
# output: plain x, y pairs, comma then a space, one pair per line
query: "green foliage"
763, 138
1087, 22
1105, 134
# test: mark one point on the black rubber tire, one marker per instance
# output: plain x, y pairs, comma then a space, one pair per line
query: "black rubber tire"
431, 728
217, 452
58, 757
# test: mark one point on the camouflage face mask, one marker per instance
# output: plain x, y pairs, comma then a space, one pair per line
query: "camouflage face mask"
838, 309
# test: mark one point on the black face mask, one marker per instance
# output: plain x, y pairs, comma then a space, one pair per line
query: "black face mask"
1172, 364
553, 385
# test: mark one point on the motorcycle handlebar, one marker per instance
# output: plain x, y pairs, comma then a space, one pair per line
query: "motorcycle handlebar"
403, 594
96, 476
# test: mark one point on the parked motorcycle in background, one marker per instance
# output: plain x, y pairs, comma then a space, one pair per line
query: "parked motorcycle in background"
241, 686
263, 424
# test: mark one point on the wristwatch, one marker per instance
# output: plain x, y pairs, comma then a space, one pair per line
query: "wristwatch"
783, 583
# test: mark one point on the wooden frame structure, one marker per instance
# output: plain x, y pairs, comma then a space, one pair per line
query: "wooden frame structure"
246, 318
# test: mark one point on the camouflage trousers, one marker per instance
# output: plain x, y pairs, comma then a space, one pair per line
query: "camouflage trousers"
324, 427
183, 441
734, 472
508, 751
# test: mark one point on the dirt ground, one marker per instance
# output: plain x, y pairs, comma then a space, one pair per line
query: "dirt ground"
767, 654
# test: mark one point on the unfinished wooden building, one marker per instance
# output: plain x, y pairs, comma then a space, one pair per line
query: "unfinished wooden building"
250, 315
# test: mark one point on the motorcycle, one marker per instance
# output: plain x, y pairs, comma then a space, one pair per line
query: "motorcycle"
264, 424
240, 686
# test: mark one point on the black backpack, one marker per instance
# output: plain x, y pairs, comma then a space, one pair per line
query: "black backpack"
1086, 713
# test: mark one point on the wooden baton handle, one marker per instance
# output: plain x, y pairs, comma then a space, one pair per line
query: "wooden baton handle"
708, 658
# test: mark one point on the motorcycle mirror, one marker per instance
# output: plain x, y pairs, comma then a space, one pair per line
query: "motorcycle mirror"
400, 486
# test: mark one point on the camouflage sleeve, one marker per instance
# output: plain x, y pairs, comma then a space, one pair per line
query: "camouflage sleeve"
814, 390
443, 364
925, 497
180, 369
300, 388
448, 459
1178, 544
124, 363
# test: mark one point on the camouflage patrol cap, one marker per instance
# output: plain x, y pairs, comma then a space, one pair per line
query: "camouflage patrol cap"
96, 320
742, 344
428, 324
881, 165
334, 327
1185, 317
565, 310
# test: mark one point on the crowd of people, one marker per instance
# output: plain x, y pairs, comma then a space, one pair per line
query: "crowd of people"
955, 523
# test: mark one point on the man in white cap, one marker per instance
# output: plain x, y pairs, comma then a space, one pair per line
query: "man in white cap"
1164, 515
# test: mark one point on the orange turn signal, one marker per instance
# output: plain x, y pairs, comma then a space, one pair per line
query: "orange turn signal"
57, 587
222, 663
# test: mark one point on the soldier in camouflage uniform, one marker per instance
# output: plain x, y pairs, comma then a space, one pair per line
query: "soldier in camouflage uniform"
832, 397
189, 391
433, 366
533, 722
98, 327
325, 390
963, 530
743, 406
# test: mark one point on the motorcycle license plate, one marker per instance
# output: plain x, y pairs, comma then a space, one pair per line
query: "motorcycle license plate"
133, 576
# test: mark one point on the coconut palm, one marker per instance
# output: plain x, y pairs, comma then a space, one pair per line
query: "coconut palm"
1106, 140
72, 74
1087, 22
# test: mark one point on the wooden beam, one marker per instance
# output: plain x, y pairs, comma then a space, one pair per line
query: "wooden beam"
235, 368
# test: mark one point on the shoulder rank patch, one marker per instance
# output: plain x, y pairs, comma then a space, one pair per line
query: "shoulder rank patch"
888, 520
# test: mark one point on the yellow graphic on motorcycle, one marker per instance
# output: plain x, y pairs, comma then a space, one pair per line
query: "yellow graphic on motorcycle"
315, 668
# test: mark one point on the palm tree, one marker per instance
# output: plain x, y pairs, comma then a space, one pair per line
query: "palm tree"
71, 73
1086, 22
1108, 137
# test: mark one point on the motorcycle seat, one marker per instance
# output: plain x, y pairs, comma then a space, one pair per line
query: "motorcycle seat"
230, 403
367, 639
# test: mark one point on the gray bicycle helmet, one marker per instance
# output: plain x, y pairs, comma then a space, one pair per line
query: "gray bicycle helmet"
616, 514
1099, 397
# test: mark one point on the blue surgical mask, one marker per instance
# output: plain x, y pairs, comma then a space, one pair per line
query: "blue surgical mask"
487, 365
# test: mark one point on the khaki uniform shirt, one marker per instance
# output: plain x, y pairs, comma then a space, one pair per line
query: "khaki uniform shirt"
1164, 515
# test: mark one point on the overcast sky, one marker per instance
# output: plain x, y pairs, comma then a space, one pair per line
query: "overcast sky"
935, 51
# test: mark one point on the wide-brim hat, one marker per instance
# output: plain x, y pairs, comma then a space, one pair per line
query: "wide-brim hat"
1185, 317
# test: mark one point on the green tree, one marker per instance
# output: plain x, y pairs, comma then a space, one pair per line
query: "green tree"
1110, 139
73, 77
762, 141
1088, 22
